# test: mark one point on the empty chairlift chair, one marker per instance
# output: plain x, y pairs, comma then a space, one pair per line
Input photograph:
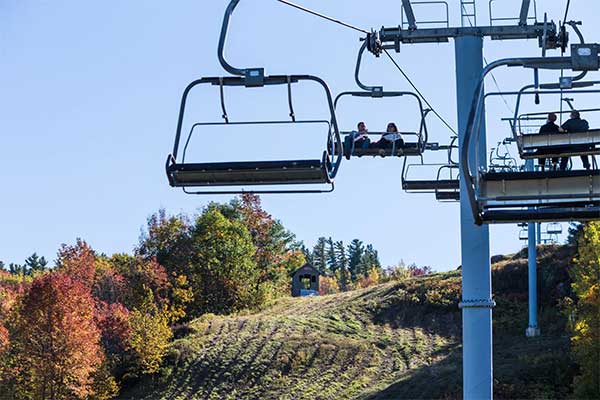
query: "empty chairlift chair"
520, 196
210, 177
186, 174
440, 179
414, 143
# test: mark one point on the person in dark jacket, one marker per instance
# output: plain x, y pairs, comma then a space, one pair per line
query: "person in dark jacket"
356, 140
549, 127
575, 124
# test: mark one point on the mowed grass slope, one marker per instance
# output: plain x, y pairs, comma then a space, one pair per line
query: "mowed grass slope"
396, 340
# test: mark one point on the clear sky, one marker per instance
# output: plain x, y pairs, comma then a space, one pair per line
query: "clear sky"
90, 91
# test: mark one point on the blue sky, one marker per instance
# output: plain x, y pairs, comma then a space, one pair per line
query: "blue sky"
89, 99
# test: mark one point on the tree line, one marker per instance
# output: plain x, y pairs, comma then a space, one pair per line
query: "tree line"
90, 324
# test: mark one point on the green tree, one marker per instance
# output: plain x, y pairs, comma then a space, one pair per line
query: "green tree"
17, 269
332, 261
585, 275
223, 277
356, 251
307, 254
369, 260
319, 254
35, 264
167, 240
342, 262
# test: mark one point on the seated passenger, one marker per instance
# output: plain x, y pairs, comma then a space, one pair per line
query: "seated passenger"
575, 124
391, 139
356, 139
549, 128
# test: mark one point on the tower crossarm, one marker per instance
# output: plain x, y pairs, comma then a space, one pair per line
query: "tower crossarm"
437, 35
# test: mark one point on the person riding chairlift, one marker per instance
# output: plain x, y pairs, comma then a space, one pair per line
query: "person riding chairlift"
356, 139
551, 128
391, 139
575, 124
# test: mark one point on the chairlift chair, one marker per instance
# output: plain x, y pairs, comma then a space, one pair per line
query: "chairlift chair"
211, 175
521, 196
409, 147
554, 228
445, 186
501, 159
523, 234
537, 145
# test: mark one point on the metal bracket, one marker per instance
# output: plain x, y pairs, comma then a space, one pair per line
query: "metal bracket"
373, 43
477, 303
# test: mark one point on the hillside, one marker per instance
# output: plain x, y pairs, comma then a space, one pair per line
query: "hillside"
392, 341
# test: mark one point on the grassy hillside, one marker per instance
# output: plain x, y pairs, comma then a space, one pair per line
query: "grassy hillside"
393, 341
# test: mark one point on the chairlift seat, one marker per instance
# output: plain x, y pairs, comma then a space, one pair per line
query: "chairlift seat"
447, 196
549, 214
247, 173
529, 175
560, 144
406, 149
504, 188
438, 184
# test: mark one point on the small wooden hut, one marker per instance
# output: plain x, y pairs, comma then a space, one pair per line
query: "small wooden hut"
305, 281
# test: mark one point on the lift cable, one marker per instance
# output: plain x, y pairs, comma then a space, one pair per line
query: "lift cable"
567, 11
386, 52
562, 71
323, 16
419, 92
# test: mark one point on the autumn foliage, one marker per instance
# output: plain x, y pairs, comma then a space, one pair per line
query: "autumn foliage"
586, 311
58, 341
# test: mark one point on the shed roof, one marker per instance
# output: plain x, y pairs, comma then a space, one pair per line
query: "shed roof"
307, 268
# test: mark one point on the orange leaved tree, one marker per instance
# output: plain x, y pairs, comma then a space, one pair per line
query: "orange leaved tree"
58, 341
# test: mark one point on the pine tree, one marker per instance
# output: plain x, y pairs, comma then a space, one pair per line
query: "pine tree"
332, 263
355, 255
16, 269
369, 260
319, 255
342, 262
307, 253
35, 264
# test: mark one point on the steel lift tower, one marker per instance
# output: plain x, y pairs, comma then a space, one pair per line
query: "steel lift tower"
477, 300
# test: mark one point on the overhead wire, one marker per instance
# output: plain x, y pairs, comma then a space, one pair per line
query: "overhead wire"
562, 71
433, 110
289, 3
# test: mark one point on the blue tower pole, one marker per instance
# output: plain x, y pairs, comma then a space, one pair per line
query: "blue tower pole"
477, 300
532, 240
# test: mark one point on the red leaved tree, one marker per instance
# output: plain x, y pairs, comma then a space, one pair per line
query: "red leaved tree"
57, 339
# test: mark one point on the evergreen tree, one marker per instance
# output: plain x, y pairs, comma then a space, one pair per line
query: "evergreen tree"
307, 253
35, 264
16, 269
355, 255
331, 256
342, 262
319, 255
370, 260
